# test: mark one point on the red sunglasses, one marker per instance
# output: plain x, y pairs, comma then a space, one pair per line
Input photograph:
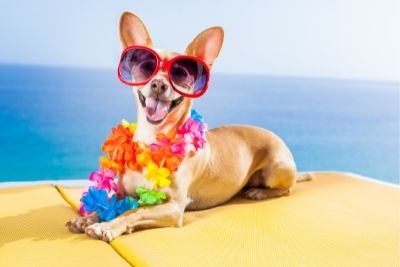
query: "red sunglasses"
188, 75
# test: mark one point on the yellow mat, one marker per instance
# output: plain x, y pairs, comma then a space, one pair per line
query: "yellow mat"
32, 232
336, 220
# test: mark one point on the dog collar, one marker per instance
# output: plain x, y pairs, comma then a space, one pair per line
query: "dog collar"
158, 161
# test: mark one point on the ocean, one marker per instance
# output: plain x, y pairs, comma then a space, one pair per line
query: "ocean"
54, 119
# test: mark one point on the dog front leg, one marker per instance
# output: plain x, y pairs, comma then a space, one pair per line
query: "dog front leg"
79, 224
164, 215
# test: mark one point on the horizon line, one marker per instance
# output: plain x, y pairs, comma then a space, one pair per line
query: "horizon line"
273, 76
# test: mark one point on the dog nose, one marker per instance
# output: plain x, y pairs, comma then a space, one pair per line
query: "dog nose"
158, 86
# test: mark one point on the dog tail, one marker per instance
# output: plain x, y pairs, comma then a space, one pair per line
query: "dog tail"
305, 177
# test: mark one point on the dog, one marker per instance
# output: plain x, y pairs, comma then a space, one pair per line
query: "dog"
236, 159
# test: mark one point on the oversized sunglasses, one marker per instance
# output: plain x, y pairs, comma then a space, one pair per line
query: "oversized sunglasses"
188, 75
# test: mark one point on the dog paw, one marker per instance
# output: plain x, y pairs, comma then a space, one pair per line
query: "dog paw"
252, 194
265, 193
79, 224
101, 231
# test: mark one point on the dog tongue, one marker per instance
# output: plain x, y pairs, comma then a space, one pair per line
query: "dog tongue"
156, 110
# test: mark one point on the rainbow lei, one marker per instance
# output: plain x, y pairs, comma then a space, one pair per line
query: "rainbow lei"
158, 161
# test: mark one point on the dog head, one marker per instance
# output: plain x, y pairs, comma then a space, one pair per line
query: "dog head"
157, 101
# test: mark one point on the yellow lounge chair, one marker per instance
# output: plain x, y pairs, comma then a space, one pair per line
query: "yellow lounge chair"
335, 220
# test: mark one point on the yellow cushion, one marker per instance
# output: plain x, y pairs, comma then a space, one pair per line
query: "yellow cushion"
336, 220
32, 232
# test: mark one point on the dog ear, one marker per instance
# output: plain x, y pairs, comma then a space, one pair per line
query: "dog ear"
207, 44
132, 31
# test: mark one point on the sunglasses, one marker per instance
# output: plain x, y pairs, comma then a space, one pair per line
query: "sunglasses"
188, 75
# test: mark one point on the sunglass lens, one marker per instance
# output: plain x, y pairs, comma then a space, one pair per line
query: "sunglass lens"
189, 76
137, 65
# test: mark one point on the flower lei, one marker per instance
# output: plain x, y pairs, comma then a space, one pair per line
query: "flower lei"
158, 160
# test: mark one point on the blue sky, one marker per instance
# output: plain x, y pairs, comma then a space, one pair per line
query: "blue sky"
351, 39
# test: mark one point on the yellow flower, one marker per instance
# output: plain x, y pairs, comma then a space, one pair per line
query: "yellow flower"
158, 175
130, 126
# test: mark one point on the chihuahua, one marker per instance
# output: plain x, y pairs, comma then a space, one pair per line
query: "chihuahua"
235, 159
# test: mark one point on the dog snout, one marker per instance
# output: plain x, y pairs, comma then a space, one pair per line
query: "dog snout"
159, 86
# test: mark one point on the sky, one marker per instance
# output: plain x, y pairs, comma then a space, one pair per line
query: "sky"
346, 39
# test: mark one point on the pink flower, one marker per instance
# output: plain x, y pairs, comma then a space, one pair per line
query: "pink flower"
179, 147
193, 132
104, 179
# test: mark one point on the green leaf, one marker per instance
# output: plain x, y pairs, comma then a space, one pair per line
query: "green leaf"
150, 197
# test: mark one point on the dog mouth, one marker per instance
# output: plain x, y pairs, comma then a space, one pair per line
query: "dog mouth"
157, 109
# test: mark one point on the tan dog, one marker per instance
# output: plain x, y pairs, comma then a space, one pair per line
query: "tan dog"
234, 157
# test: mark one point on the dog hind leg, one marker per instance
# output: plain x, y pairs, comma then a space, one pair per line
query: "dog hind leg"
271, 182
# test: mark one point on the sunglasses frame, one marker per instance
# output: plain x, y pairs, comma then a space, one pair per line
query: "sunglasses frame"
166, 65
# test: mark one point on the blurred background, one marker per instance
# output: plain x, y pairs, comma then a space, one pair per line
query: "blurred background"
323, 75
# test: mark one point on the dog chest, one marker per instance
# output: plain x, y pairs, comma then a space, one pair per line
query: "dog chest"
133, 179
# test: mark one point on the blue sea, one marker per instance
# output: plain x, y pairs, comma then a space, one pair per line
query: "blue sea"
54, 120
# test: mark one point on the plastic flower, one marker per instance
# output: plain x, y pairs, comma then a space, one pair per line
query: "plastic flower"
127, 125
130, 156
179, 147
167, 154
160, 159
127, 203
175, 144
116, 207
104, 179
150, 197
107, 163
94, 200
158, 175
143, 156
107, 208
120, 148
119, 135
194, 133
196, 116
169, 151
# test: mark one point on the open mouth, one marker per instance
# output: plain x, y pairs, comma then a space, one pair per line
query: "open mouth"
157, 109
